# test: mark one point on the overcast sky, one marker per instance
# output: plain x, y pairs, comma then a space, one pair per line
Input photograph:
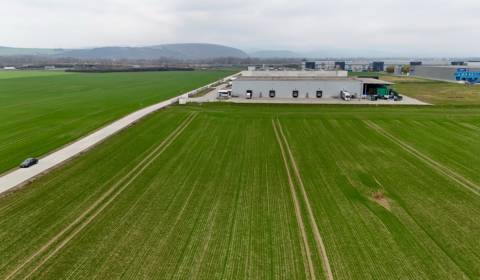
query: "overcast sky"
410, 27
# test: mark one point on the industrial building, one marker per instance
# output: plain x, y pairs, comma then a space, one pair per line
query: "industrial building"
302, 84
474, 64
470, 74
340, 65
378, 66
358, 67
330, 65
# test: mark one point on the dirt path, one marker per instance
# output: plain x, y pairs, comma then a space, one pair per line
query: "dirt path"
318, 238
101, 203
440, 168
311, 267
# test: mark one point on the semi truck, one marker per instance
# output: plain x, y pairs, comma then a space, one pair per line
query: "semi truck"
345, 95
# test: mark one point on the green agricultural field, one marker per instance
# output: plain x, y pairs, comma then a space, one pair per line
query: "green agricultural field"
435, 92
28, 74
41, 113
365, 74
259, 192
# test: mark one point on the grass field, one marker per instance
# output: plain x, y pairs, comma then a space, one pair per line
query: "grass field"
435, 92
259, 192
430, 91
41, 111
365, 74
28, 74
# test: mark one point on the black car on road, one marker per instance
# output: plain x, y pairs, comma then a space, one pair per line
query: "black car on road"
28, 162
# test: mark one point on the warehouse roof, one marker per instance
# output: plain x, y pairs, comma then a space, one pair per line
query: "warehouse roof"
372, 81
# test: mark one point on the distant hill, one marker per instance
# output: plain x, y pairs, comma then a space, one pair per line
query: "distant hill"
275, 54
6, 51
171, 51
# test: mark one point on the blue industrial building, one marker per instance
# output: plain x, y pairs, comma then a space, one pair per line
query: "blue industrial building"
448, 73
464, 74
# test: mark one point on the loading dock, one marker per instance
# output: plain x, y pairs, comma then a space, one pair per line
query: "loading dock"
305, 85
374, 86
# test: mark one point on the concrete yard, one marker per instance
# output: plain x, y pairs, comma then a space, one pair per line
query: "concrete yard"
406, 101
209, 97
212, 97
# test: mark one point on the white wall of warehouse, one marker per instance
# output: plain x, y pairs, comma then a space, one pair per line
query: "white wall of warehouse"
284, 89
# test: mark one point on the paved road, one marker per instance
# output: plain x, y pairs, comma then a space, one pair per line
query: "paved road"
211, 96
18, 177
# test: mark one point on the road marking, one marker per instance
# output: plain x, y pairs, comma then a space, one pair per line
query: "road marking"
440, 168
116, 190
318, 238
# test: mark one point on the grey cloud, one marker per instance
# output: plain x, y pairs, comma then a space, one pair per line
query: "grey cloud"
436, 27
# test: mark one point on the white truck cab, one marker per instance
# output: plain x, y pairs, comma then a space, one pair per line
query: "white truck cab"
345, 95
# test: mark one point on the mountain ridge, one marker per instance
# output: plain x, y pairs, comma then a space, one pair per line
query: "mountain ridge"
188, 51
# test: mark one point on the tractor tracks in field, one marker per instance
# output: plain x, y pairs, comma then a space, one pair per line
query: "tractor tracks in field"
288, 160
437, 166
60, 240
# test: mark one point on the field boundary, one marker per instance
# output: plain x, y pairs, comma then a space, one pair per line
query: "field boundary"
101, 203
440, 168
318, 238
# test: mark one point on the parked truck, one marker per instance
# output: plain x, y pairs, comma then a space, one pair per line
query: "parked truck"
224, 93
345, 95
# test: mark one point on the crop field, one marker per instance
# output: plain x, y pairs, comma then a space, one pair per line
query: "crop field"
41, 113
8, 74
223, 191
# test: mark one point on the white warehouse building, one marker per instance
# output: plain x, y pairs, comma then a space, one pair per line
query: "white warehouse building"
300, 84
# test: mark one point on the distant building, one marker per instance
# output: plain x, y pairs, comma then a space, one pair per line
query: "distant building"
473, 63
9, 68
398, 69
448, 73
49, 67
326, 65
415, 63
310, 65
340, 65
457, 63
357, 67
378, 66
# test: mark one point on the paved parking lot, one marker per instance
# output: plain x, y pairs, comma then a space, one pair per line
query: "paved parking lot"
406, 101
